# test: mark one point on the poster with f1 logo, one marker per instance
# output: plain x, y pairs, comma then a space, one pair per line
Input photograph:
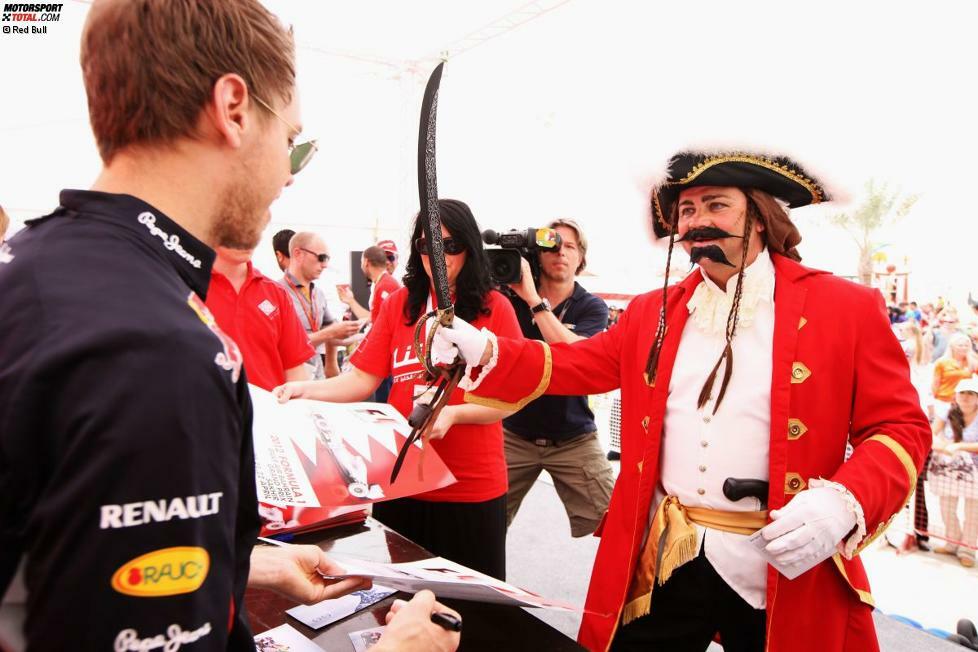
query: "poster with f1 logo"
318, 454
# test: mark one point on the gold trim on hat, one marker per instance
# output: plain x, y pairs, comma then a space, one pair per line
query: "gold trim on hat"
698, 169
760, 161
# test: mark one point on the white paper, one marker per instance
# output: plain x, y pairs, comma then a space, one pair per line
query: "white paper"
791, 572
366, 638
329, 611
446, 579
284, 638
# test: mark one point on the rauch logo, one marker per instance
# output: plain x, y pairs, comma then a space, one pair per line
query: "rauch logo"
170, 571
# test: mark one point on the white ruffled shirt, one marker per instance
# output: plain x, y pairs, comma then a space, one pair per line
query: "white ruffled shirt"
700, 450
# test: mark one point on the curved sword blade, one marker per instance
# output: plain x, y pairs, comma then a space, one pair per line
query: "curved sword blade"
428, 195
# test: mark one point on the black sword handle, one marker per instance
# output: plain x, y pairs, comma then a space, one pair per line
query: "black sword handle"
738, 488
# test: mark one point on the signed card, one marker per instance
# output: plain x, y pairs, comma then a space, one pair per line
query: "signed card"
329, 611
284, 639
366, 638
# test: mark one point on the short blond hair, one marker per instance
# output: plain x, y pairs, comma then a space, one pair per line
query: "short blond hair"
150, 65
4, 223
581, 238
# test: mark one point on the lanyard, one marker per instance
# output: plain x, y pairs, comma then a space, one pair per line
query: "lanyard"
308, 305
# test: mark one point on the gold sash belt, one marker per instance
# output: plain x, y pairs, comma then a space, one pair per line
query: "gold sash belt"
672, 526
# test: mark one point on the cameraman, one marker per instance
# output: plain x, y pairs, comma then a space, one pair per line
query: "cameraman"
557, 433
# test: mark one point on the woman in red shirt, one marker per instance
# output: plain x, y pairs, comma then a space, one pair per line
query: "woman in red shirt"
466, 521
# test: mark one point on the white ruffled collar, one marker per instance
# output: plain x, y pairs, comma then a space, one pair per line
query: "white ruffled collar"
709, 305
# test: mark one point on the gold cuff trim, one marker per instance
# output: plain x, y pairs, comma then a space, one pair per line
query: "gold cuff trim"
793, 483
880, 529
799, 373
796, 428
911, 469
864, 596
536, 393
904, 458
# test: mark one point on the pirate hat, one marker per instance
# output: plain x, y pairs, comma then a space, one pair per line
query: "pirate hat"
776, 175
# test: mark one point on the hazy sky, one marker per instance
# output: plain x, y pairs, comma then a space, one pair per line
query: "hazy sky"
569, 114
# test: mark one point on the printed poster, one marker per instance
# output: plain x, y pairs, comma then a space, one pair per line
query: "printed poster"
317, 454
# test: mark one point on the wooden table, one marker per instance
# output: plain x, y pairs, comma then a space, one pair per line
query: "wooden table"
489, 627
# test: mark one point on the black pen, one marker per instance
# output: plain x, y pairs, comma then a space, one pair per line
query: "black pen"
448, 621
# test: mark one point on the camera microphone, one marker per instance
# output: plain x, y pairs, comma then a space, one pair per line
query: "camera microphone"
490, 237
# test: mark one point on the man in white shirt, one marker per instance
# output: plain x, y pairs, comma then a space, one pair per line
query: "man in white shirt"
310, 257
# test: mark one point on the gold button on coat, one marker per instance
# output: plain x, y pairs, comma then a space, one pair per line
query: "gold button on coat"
796, 428
793, 483
799, 373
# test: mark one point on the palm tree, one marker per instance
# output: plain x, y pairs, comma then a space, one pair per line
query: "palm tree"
882, 207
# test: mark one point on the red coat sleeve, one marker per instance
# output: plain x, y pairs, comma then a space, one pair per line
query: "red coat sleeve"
888, 430
526, 369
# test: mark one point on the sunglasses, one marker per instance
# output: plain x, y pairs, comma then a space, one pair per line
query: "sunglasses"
299, 155
322, 258
452, 246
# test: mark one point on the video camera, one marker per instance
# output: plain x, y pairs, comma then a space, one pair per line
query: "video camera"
504, 259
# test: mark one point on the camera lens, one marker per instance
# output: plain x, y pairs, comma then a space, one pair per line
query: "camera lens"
504, 265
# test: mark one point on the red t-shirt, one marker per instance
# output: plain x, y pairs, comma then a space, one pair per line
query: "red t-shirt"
261, 320
474, 452
385, 286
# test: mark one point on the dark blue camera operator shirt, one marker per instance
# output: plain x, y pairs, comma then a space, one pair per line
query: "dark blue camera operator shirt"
127, 483
559, 417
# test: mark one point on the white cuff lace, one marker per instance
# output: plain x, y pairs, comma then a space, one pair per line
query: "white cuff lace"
469, 384
846, 546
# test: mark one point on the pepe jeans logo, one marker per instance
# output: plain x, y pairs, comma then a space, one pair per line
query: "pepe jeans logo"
176, 636
169, 571
170, 242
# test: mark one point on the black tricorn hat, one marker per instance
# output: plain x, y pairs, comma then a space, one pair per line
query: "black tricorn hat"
778, 176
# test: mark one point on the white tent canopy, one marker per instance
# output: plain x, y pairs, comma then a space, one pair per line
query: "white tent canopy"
562, 107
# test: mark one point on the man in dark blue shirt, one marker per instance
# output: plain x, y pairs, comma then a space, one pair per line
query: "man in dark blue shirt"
127, 478
557, 433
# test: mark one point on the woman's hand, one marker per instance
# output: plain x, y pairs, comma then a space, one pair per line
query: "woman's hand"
288, 391
444, 422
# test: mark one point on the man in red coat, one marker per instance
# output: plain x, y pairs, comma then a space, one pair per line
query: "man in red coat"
759, 369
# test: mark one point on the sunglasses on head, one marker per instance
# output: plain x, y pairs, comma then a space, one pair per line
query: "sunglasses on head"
452, 246
323, 258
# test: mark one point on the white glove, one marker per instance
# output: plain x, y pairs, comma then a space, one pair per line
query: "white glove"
808, 530
462, 338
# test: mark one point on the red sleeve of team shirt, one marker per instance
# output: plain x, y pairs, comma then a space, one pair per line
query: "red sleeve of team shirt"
374, 353
386, 287
293, 342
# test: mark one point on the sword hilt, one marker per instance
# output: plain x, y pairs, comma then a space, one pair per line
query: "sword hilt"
739, 488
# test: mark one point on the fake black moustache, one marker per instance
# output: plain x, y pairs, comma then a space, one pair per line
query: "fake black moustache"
706, 233
710, 252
